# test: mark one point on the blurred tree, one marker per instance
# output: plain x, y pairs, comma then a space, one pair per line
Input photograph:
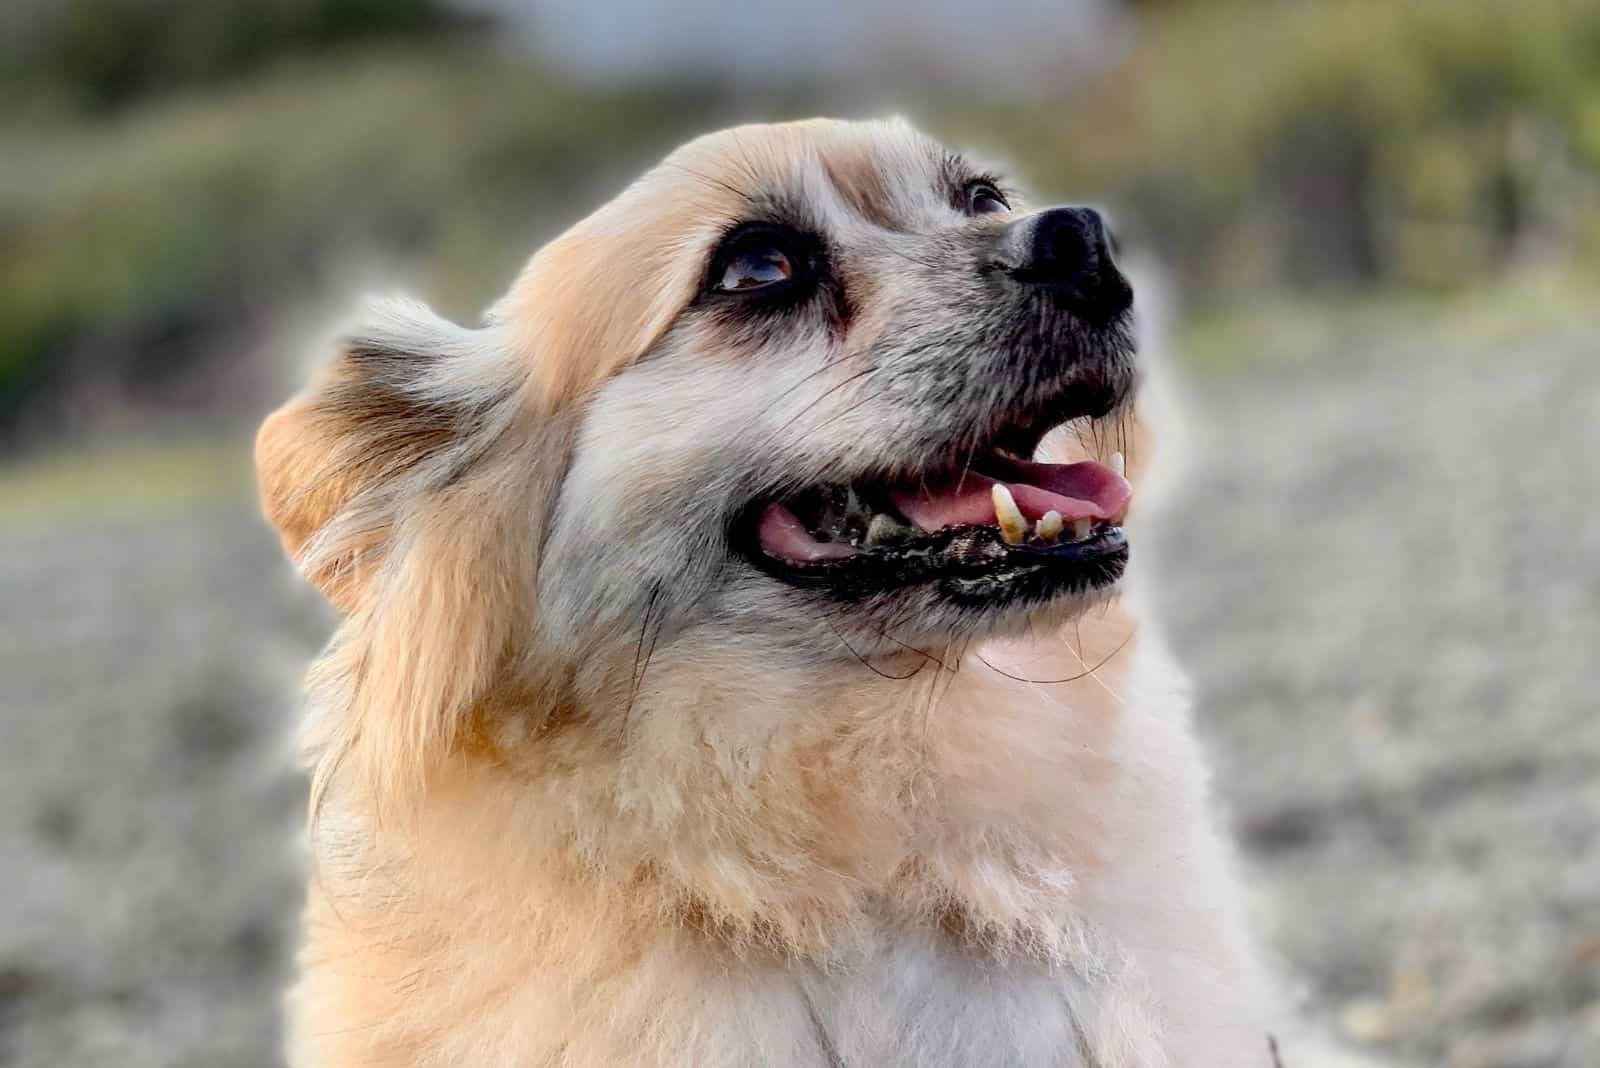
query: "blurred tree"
107, 52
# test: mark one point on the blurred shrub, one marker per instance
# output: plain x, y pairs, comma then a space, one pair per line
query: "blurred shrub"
106, 52
1255, 145
177, 235
1266, 143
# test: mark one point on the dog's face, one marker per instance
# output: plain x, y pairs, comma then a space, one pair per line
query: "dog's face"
877, 336
786, 389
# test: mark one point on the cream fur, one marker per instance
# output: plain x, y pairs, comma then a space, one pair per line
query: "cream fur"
754, 851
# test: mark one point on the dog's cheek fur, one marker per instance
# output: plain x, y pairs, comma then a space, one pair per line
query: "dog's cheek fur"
669, 453
412, 481
639, 524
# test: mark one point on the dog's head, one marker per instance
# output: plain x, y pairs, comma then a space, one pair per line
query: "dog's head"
785, 392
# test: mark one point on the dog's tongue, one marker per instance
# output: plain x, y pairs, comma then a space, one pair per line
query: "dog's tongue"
1084, 490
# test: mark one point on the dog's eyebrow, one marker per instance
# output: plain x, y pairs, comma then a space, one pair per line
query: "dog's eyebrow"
954, 168
861, 184
755, 205
711, 180
957, 172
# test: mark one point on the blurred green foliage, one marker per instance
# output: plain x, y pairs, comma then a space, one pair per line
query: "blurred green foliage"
165, 237
1346, 143
104, 53
180, 173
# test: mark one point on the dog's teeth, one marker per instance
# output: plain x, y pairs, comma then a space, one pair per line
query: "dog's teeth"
1118, 464
1013, 527
1080, 529
1049, 526
885, 529
853, 506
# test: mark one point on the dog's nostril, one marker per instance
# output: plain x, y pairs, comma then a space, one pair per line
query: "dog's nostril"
1065, 251
1067, 242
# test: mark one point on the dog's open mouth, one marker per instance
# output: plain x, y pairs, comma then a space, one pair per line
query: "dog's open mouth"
998, 527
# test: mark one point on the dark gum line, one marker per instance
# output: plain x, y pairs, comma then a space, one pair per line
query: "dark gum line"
1092, 563
927, 540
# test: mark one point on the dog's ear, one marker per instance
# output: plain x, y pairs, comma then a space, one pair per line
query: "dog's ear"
407, 482
407, 401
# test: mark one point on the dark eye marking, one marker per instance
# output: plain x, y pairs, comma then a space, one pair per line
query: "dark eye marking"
765, 261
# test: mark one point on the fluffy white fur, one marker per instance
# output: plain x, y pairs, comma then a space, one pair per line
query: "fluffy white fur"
588, 793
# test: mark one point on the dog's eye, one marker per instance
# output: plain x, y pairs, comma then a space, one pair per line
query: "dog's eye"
760, 257
755, 268
985, 199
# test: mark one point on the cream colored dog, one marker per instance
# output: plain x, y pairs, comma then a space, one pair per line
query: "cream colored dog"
725, 679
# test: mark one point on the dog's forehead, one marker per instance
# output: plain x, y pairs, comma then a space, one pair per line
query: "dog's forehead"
599, 296
885, 172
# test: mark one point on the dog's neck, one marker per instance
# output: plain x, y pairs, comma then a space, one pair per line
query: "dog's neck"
958, 838
768, 811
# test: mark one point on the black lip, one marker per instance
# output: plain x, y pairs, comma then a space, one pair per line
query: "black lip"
970, 564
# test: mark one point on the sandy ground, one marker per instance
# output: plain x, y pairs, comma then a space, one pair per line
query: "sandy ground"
1383, 575
1386, 582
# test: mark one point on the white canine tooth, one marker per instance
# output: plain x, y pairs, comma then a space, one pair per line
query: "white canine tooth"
1118, 464
1080, 529
1013, 527
1049, 526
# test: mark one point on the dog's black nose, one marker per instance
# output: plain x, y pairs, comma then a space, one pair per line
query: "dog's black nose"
1066, 251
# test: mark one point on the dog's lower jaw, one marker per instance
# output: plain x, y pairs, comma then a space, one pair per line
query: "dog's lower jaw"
1038, 885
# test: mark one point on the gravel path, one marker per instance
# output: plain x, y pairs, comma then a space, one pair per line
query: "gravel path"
1384, 577
146, 817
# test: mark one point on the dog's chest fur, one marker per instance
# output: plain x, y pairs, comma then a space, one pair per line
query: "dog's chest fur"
917, 1004
917, 1001
1094, 925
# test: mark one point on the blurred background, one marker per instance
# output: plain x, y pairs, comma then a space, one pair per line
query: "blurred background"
1378, 228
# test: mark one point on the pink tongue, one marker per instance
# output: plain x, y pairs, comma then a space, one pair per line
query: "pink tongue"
1078, 491
784, 536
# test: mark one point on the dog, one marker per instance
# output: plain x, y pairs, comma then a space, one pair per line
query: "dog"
740, 658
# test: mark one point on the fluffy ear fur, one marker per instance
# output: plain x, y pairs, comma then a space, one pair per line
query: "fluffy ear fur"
407, 400
400, 483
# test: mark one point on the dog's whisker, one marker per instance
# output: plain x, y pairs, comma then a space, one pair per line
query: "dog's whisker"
788, 391
637, 681
913, 649
714, 182
900, 253
1092, 672
812, 405
864, 662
